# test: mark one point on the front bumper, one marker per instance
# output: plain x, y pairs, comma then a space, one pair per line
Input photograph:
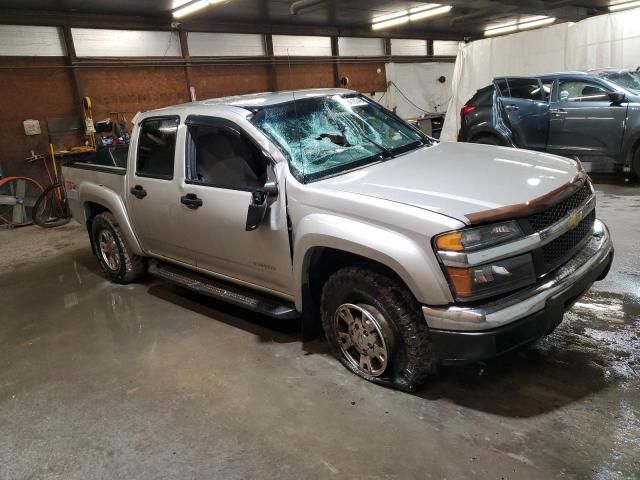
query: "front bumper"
463, 334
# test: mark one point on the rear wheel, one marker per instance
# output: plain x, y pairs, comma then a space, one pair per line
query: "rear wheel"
488, 140
115, 257
375, 328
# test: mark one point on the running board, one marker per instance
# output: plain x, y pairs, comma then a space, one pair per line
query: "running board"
220, 290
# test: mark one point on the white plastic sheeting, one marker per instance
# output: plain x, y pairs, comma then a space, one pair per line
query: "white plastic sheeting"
611, 40
93, 42
407, 46
226, 44
418, 82
301, 46
360, 47
25, 41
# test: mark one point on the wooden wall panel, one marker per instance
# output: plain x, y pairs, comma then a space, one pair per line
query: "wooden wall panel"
225, 80
304, 76
47, 91
31, 93
364, 77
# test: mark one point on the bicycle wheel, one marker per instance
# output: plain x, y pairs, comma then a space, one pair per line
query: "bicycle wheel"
51, 208
18, 196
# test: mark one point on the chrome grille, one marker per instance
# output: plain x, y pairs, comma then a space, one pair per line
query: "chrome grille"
557, 252
545, 219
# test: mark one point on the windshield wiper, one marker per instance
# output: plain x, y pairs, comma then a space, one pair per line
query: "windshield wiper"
387, 153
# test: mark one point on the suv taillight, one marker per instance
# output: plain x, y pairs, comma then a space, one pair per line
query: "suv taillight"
466, 110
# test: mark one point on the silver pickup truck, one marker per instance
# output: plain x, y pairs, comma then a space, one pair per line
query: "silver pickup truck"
321, 204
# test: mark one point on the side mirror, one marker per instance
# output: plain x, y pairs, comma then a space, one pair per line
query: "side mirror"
260, 201
257, 209
617, 98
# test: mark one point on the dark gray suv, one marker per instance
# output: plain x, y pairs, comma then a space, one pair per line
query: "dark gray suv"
593, 116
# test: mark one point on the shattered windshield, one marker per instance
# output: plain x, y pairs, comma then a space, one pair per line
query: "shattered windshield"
326, 135
628, 80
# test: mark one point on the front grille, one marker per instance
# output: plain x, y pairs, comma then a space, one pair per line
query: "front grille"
558, 251
545, 219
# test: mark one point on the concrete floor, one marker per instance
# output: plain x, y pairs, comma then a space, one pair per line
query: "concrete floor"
149, 382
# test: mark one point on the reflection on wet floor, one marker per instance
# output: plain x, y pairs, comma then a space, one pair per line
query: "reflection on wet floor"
136, 369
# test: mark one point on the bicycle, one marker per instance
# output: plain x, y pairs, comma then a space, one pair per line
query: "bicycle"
51, 209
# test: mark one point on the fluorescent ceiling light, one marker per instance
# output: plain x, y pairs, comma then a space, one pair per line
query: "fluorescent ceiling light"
499, 30
522, 24
389, 16
536, 23
403, 16
390, 23
182, 8
623, 6
430, 13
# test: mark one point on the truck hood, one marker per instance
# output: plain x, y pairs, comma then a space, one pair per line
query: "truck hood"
462, 180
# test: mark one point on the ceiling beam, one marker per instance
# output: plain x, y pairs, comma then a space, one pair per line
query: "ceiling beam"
120, 22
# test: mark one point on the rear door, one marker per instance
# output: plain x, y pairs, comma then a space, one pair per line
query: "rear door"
153, 188
524, 109
583, 120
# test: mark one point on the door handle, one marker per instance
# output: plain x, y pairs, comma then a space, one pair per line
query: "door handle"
138, 192
191, 200
558, 111
512, 108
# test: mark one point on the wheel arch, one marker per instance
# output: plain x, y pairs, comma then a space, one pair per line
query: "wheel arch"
97, 199
632, 146
490, 133
325, 243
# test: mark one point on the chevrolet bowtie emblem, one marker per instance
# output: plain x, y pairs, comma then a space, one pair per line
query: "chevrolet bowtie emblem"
574, 219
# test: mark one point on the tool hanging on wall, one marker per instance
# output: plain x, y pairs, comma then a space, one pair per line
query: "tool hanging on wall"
90, 129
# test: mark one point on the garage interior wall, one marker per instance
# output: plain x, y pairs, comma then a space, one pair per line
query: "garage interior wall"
131, 70
611, 40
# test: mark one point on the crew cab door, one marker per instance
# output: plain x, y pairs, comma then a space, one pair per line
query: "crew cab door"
153, 186
524, 109
584, 121
224, 168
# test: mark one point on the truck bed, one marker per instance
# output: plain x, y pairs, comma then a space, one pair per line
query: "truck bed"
95, 171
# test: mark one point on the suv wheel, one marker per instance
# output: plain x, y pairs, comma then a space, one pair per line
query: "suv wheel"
114, 256
488, 140
375, 328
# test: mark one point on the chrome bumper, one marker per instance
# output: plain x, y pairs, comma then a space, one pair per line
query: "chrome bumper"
526, 302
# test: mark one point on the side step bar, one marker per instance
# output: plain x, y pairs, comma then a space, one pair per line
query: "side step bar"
220, 290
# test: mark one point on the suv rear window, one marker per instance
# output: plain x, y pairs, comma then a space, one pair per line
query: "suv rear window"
527, 88
503, 88
483, 97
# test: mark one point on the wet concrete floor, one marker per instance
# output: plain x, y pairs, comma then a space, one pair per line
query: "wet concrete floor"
100, 381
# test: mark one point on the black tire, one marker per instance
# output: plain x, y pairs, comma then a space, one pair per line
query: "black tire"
488, 140
51, 208
411, 356
115, 257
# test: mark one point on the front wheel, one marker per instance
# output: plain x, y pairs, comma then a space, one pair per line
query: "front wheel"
115, 257
375, 328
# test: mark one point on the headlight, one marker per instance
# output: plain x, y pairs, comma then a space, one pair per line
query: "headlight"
479, 237
482, 281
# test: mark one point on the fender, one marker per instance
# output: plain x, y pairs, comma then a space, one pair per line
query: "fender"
414, 263
91, 192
